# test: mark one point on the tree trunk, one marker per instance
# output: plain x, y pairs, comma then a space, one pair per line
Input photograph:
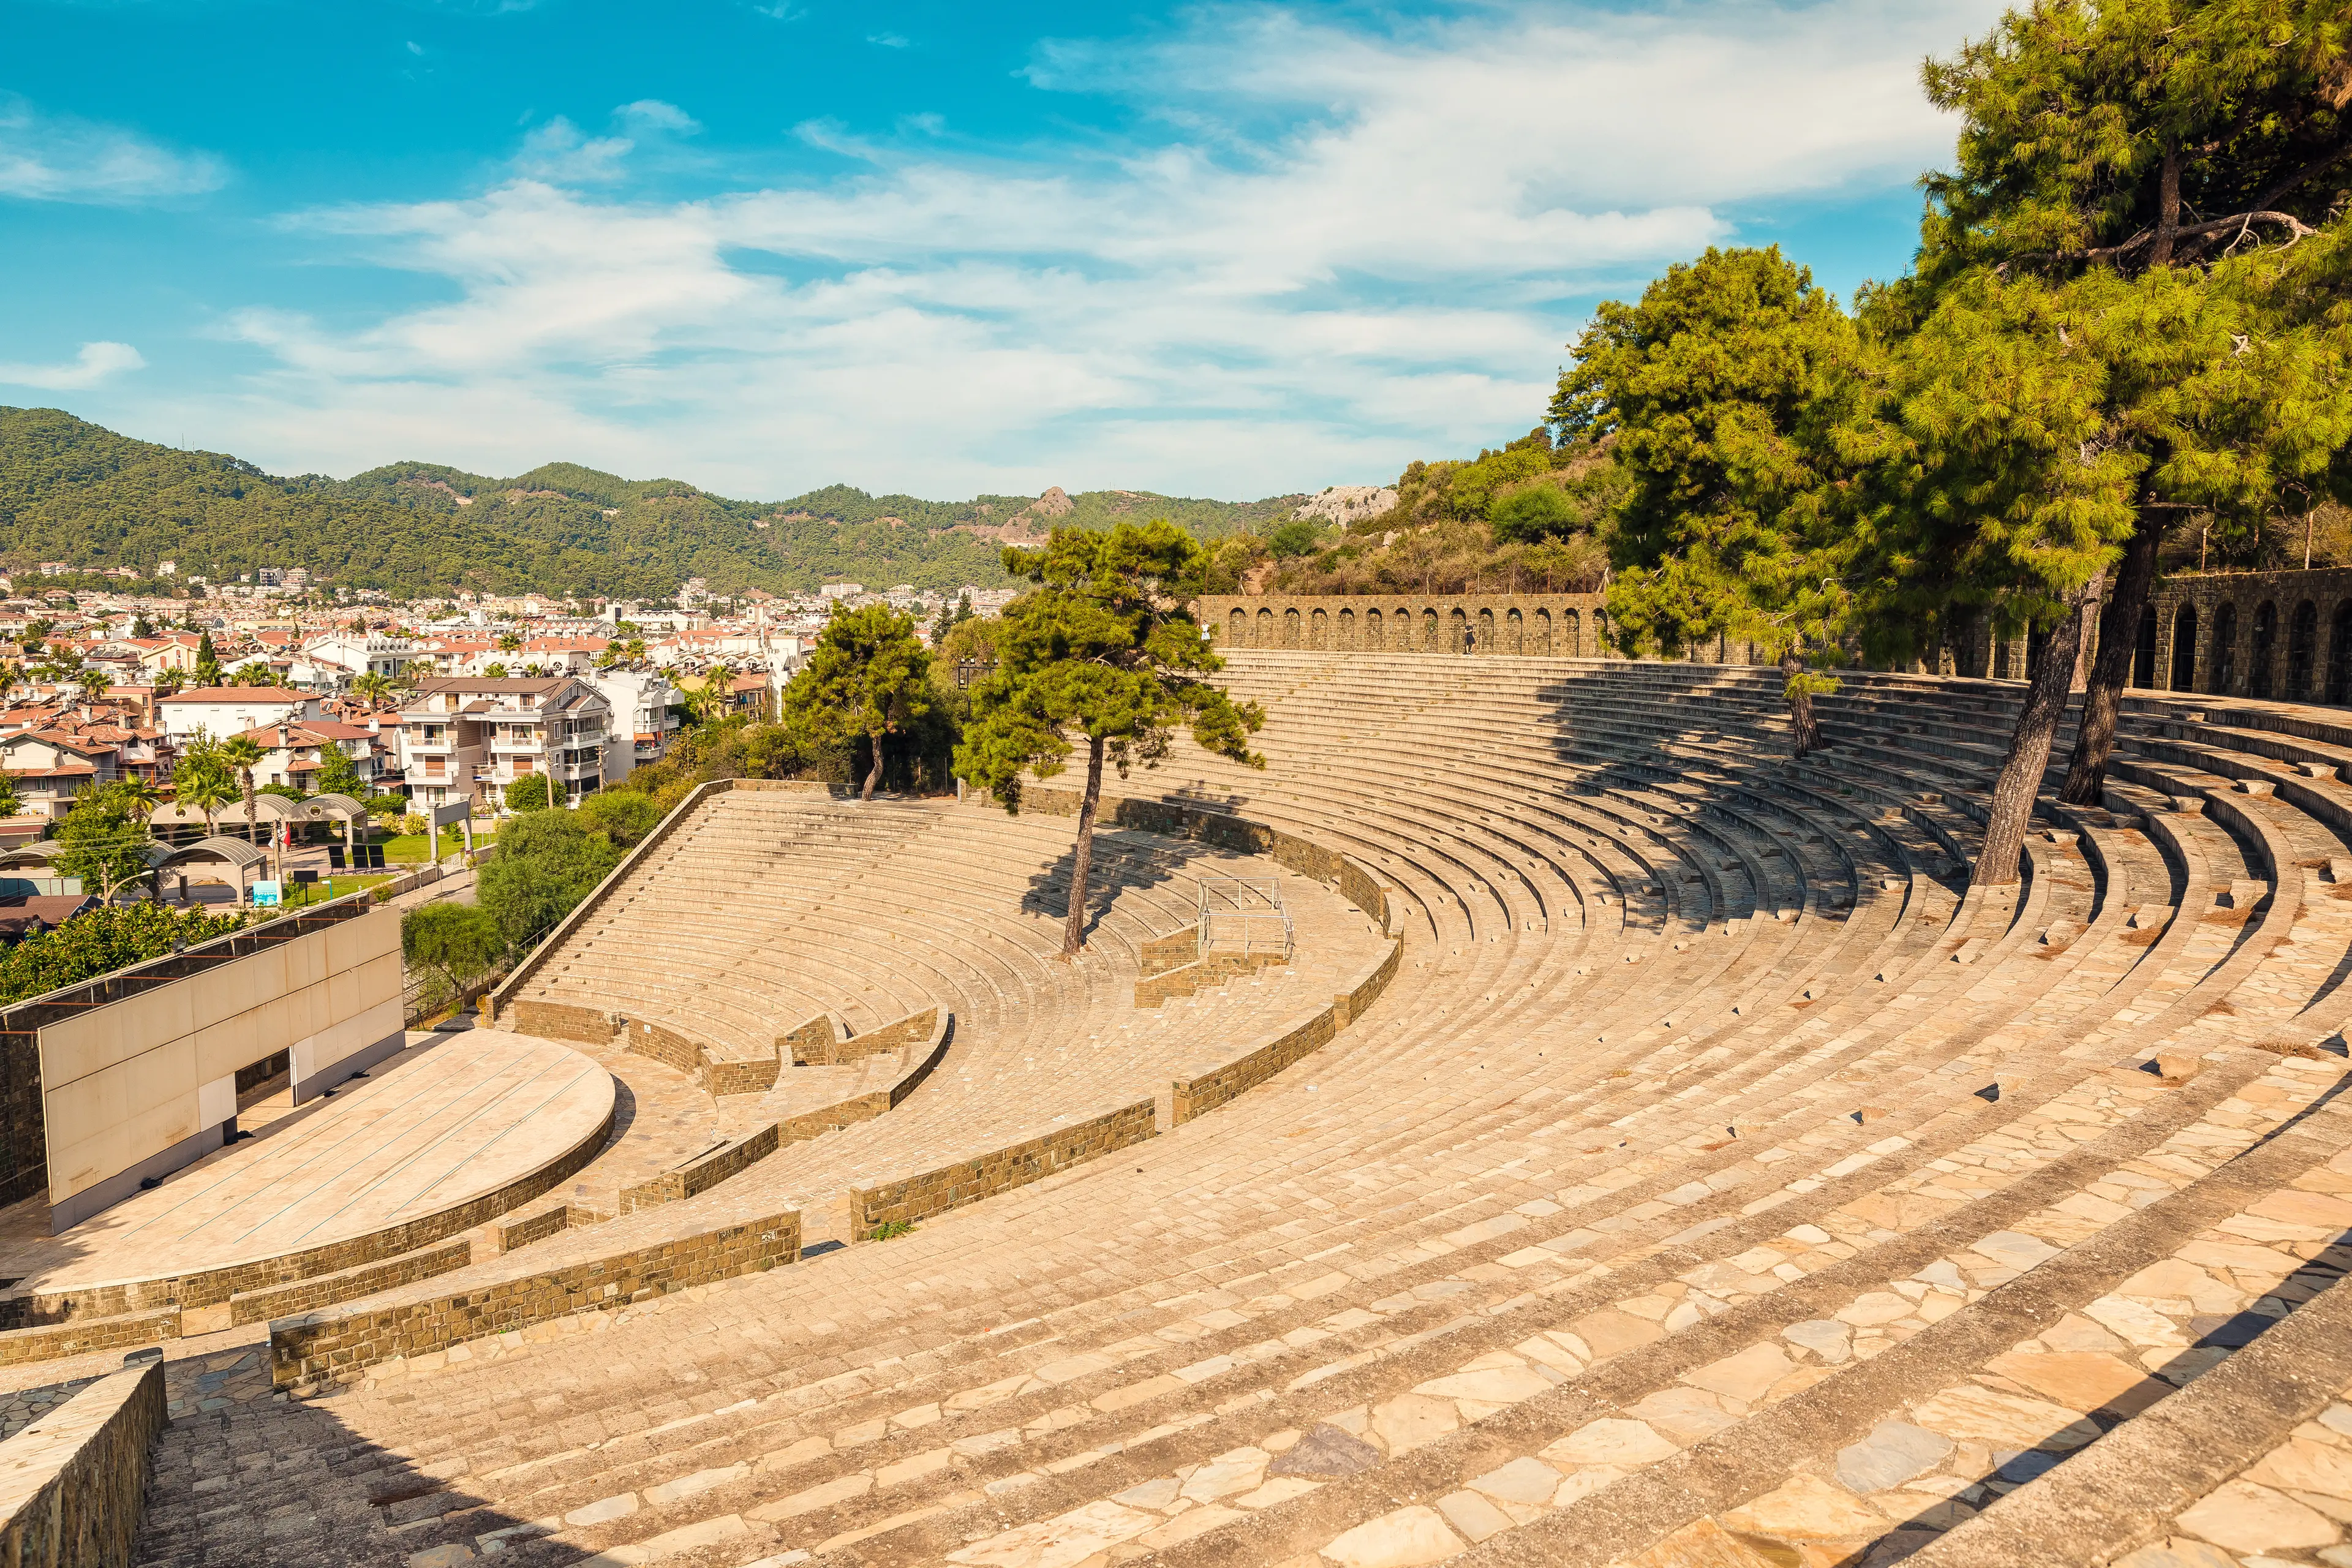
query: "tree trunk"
874, 773
250, 836
2168, 208
2094, 739
1802, 725
2029, 747
1074, 934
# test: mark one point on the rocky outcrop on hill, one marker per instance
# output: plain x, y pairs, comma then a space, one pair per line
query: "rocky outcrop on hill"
1345, 504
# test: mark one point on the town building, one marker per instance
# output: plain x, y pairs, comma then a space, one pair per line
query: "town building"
471, 736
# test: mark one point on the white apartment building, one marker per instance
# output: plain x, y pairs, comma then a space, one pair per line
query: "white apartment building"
645, 710
224, 710
472, 736
355, 654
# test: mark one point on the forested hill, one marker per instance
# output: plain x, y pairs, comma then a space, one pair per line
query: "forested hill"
74, 491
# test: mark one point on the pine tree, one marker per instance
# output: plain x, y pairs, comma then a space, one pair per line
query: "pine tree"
1102, 652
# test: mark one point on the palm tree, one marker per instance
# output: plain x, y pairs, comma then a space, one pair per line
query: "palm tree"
510, 643
208, 790
375, 689
94, 683
241, 753
139, 796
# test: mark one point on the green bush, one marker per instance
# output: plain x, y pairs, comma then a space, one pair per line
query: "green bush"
530, 793
547, 862
625, 816
103, 940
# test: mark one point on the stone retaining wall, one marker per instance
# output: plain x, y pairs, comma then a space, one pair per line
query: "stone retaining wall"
1174, 951
701, 1174
349, 1284
665, 1045
544, 1224
308, 1352
73, 1485
55, 1342
1213, 969
999, 1171
560, 1021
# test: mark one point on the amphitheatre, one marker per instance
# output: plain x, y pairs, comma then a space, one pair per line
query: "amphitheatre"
1584, 1134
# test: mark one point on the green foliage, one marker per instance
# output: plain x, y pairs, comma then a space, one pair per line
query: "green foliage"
892, 1229
103, 940
869, 677
1104, 647
529, 793
2094, 134
1293, 539
74, 491
339, 773
625, 816
10, 804
283, 792
103, 842
1536, 512
1740, 403
547, 862
457, 942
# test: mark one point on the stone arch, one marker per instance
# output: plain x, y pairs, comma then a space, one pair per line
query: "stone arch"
1457, 630
2302, 650
1514, 632
1429, 631
1487, 643
2184, 648
2222, 663
1290, 626
1372, 630
1319, 630
1572, 634
1237, 627
2340, 654
2262, 651
1543, 632
1348, 629
2143, 668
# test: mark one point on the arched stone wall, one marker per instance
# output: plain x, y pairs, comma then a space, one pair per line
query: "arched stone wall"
2210, 637
1555, 626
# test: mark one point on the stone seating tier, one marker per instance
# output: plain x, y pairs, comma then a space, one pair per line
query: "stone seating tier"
1632, 1225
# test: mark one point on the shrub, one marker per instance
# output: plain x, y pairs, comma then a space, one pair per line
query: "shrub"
530, 793
622, 816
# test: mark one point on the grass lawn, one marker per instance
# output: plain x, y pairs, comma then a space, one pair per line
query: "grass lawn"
297, 895
413, 849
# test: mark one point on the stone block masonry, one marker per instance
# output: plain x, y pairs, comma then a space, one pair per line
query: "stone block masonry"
700, 1174
308, 1353
557, 1021
1163, 953
1213, 969
349, 1284
1000, 1171
55, 1342
73, 1485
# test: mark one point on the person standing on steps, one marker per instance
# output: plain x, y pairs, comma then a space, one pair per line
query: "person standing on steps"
1469, 640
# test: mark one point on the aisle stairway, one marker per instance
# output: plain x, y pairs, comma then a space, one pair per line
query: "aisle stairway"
1724, 1180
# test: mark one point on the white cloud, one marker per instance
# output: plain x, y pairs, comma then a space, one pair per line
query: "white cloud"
57, 158
87, 369
1354, 248
558, 151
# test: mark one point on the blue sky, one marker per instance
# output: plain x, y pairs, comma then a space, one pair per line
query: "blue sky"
1230, 250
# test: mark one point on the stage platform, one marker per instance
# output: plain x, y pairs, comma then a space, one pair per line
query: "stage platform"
448, 1121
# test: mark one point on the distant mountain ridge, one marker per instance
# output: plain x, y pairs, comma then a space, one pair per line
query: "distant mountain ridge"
74, 491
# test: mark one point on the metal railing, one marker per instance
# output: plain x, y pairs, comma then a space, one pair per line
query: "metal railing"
1243, 915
